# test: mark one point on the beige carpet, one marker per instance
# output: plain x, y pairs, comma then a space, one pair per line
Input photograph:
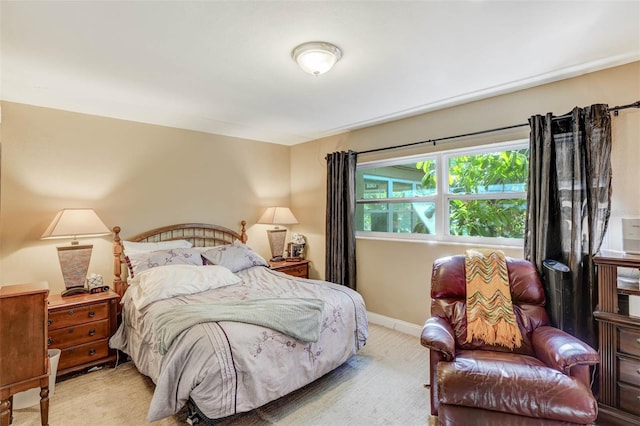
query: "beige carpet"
382, 385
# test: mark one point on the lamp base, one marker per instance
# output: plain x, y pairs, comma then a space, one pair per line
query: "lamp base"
74, 263
276, 243
73, 291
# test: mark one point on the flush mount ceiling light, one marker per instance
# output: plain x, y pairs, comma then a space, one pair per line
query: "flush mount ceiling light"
316, 57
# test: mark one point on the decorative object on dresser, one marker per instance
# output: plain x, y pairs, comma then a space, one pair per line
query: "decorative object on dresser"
80, 326
24, 362
74, 259
277, 236
298, 268
619, 338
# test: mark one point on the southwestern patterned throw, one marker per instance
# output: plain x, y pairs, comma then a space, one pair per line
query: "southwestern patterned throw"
490, 315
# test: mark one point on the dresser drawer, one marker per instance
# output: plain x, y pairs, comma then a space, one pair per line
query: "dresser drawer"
82, 354
75, 335
629, 397
629, 342
629, 371
77, 315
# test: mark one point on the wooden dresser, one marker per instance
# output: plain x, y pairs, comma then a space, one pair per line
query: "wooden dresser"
24, 361
619, 339
80, 326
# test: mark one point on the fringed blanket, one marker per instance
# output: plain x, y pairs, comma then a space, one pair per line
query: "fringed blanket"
296, 317
490, 315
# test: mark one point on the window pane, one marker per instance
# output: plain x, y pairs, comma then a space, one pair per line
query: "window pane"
374, 189
503, 171
396, 217
397, 181
487, 218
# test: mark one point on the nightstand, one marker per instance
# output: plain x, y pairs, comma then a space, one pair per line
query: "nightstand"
80, 326
299, 268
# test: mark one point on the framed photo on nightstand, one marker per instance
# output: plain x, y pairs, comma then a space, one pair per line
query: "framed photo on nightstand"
296, 250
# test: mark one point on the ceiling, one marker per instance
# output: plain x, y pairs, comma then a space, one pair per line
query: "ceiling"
225, 67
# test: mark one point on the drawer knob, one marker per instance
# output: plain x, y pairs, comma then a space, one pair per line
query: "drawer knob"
71, 330
70, 312
638, 341
638, 371
93, 331
92, 352
92, 314
50, 341
49, 322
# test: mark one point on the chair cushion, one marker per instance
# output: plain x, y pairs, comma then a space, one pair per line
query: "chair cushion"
456, 415
516, 384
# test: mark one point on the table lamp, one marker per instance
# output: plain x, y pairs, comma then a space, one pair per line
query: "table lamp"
277, 216
74, 259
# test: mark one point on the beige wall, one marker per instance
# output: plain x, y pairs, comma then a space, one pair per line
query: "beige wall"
394, 277
134, 175
140, 176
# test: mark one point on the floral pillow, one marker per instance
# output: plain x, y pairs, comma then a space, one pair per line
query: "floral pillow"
139, 262
236, 256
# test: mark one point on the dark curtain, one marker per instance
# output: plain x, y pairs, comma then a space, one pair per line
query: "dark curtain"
341, 231
569, 203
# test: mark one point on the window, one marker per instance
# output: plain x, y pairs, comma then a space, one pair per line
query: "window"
475, 194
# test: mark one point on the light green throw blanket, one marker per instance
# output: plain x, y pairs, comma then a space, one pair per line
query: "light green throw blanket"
297, 317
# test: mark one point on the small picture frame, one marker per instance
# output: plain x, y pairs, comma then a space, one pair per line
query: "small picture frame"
296, 250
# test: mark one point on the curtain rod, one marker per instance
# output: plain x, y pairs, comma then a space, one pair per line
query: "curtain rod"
481, 132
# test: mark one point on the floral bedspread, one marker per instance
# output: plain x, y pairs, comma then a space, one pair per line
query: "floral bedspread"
230, 367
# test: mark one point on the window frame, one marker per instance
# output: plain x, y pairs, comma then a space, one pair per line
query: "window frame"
443, 196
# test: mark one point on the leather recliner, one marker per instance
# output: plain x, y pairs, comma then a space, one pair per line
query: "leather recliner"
544, 381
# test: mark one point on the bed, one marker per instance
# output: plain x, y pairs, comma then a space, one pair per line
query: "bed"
215, 329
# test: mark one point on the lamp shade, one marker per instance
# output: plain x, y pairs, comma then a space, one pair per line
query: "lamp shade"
278, 216
76, 223
316, 57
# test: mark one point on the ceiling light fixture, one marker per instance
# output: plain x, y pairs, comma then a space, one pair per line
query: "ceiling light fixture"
316, 57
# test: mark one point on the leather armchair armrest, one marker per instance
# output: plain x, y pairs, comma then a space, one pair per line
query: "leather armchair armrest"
437, 335
560, 350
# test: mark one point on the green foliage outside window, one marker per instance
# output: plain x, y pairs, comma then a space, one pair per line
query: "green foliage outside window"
492, 173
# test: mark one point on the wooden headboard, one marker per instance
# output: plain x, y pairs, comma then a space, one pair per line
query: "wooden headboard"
198, 234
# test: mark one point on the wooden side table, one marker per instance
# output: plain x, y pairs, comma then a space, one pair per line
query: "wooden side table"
298, 268
80, 326
24, 361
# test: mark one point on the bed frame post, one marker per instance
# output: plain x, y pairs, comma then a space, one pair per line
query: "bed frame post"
117, 262
243, 232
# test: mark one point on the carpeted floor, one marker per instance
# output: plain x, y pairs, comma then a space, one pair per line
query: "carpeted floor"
382, 385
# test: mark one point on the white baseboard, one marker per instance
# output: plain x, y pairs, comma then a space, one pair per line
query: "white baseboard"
395, 324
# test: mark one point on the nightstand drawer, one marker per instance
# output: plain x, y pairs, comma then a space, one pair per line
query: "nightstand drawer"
83, 354
75, 335
301, 271
629, 342
297, 268
77, 315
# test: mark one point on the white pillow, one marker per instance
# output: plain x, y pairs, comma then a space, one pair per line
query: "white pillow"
236, 256
131, 247
168, 281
